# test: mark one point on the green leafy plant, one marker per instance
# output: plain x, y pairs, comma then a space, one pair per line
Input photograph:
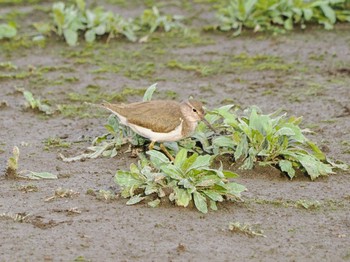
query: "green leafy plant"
187, 179
278, 16
67, 21
151, 20
71, 21
271, 140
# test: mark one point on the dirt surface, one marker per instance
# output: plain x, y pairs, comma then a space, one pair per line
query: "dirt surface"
304, 73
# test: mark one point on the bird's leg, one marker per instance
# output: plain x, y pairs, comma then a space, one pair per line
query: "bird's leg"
163, 148
150, 147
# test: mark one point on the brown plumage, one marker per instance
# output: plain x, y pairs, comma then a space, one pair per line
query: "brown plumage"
160, 116
160, 120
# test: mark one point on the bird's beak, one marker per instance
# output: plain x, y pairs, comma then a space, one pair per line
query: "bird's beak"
209, 125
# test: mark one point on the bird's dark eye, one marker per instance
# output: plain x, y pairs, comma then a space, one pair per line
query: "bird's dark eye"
194, 110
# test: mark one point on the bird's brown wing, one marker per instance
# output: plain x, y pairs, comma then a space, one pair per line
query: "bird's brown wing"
159, 116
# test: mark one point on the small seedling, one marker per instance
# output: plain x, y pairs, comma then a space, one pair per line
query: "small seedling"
36, 104
55, 142
12, 164
62, 193
308, 204
246, 229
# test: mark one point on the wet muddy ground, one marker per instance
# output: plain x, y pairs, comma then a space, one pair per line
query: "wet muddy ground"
304, 73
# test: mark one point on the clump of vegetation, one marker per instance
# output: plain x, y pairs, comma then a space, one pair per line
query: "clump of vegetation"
70, 21
55, 142
151, 20
279, 16
187, 179
273, 140
251, 139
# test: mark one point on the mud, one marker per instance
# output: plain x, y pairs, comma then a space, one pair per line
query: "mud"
316, 85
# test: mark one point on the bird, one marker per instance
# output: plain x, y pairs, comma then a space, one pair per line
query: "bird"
160, 120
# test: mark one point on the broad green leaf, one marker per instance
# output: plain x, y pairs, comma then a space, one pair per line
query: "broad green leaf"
213, 195
150, 189
100, 30
187, 184
249, 5
58, 15
288, 24
229, 174
30, 99
71, 36
235, 189
286, 166
317, 152
341, 166
134, 169
127, 179
200, 202
182, 197
157, 158
200, 162
213, 205
172, 171
242, 148
285, 131
180, 158
329, 13
135, 199
262, 123
208, 181
229, 118
149, 92
90, 36
313, 166
298, 135
40, 175
154, 203
7, 31
308, 13
224, 141
81, 5
189, 162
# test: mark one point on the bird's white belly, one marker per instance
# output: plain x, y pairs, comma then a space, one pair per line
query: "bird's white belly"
156, 136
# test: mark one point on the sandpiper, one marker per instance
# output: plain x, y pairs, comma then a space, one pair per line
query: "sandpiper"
160, 120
